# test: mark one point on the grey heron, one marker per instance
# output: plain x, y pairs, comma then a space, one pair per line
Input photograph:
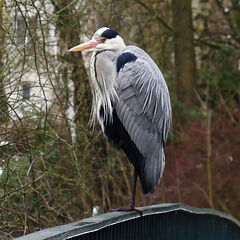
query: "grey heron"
132, 104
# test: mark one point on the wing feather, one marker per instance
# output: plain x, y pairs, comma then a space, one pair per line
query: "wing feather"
144, 109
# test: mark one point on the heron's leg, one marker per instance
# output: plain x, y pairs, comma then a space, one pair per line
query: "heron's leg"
131, 206
133, 195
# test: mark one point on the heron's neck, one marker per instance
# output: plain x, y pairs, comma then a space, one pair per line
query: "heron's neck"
103, 83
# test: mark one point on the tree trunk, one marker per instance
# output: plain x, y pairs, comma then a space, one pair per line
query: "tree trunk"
185, 63
3, 103
236, 14
68, 26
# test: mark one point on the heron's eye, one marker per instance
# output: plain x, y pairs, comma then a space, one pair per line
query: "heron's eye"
104, 39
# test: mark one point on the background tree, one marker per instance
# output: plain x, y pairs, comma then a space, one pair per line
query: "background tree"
3, 103
185, 63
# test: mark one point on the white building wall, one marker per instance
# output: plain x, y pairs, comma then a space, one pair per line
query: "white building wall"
32, 79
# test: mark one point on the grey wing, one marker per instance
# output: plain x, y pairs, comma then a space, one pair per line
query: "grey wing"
144, 109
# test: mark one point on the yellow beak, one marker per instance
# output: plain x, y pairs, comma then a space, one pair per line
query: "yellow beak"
85, 46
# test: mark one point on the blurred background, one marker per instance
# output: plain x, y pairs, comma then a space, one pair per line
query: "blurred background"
54, 167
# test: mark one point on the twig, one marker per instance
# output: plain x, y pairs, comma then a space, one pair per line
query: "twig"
209, 153
155, 15
21, 188
46, 203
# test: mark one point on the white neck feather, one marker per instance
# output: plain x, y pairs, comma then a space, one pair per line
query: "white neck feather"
104, 92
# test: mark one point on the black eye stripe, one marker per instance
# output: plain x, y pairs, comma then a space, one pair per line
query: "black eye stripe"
109, 33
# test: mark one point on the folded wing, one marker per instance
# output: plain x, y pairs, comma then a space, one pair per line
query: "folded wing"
143, 108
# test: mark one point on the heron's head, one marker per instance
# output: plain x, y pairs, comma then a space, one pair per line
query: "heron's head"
103, 39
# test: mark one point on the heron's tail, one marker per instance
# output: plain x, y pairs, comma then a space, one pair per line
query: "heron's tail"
152, 171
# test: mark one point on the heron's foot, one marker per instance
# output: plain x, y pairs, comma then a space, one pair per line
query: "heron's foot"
127, 209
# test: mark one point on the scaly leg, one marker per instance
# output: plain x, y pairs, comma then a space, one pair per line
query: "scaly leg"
131, 206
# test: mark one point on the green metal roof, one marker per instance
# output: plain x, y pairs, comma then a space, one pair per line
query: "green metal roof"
160, 222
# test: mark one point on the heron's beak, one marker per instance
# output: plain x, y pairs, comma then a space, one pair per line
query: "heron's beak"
85, 46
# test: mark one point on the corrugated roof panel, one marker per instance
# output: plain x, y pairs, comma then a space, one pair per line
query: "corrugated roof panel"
159, 222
